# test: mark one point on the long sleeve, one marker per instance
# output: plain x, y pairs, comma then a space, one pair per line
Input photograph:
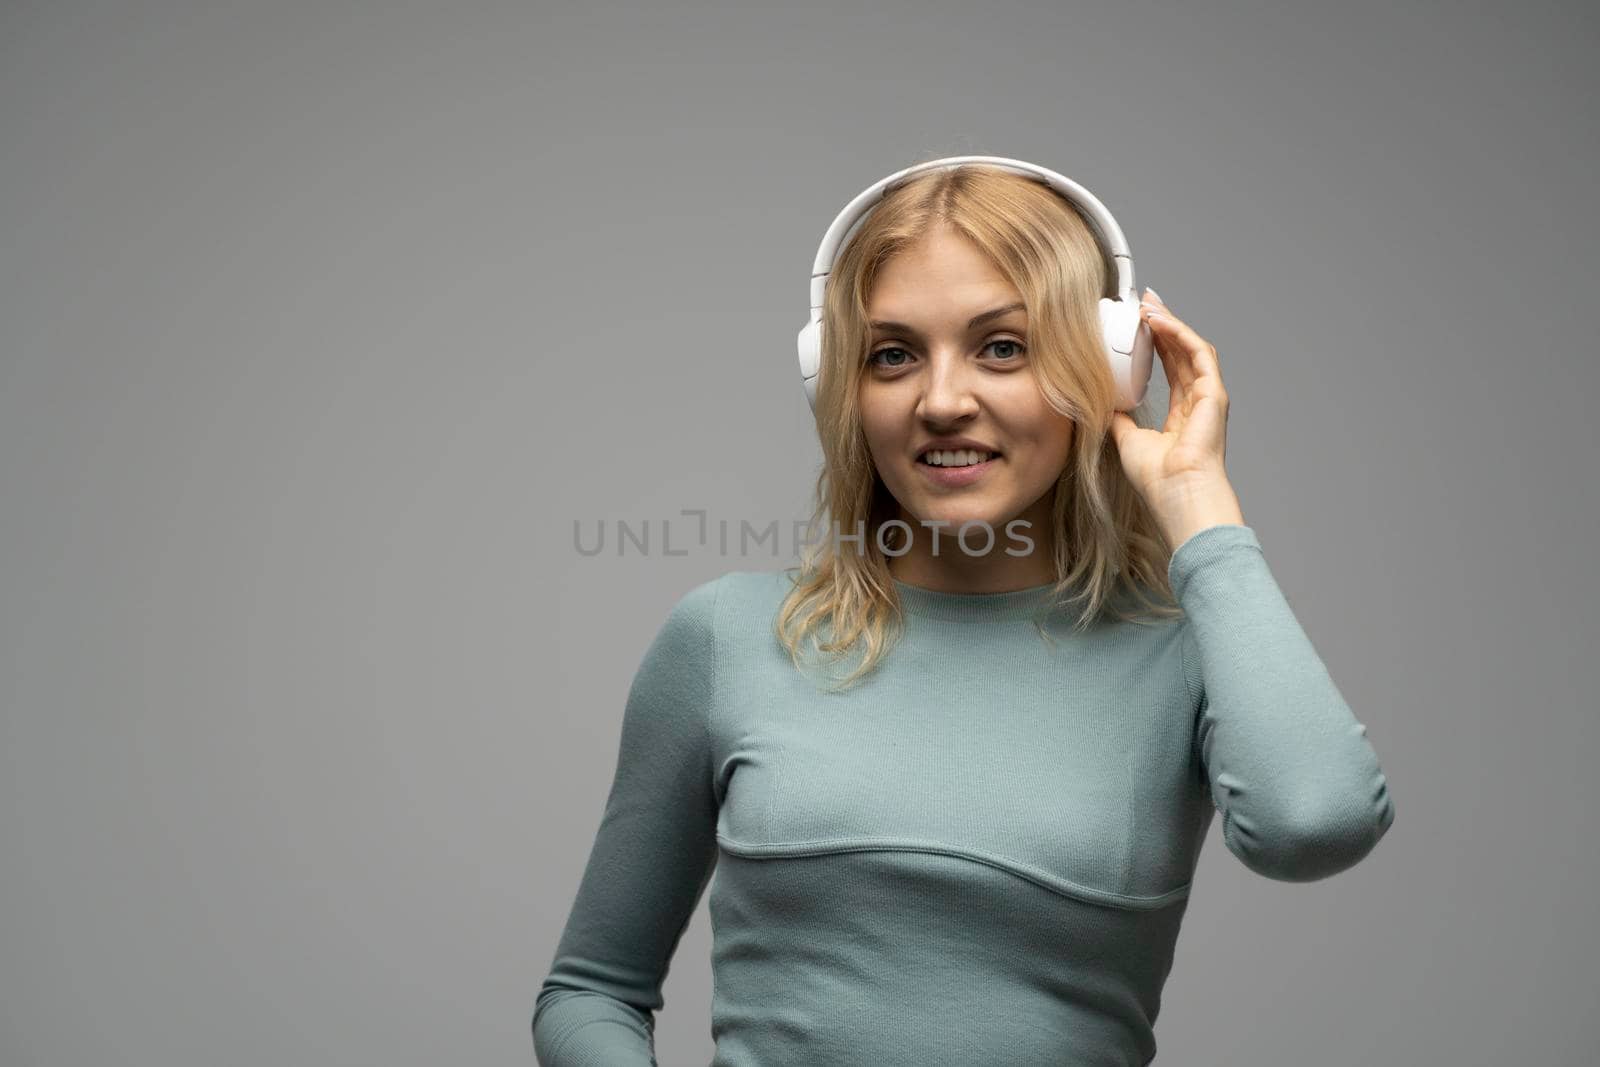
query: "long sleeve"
652, 858
1288, 765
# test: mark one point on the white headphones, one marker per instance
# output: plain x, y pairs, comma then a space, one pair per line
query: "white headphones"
1126, 338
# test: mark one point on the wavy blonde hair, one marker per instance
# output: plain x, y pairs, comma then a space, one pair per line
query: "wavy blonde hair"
1108, 551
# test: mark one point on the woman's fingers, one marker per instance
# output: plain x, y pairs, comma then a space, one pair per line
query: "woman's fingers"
1176, 363
1195, 357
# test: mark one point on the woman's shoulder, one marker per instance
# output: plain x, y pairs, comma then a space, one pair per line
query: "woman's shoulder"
735, 598
744, 597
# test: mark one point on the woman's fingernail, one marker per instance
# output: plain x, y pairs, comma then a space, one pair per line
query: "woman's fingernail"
1153, 295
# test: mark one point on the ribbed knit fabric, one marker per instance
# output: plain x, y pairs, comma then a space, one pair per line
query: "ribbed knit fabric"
982, 853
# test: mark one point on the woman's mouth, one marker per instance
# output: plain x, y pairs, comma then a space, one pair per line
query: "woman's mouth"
954, 470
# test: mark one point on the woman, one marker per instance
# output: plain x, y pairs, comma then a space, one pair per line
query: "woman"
975, 847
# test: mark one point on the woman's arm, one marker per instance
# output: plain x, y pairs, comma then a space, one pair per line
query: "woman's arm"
651, 859
1289, 766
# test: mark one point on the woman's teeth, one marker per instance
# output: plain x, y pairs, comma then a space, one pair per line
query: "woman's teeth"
957, 459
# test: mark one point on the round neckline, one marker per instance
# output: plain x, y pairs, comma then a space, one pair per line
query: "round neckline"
1023, 604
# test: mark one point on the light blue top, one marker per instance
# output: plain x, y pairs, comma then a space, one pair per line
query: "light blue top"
982, 853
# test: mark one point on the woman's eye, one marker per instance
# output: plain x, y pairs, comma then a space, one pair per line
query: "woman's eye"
1018, 345
873, 358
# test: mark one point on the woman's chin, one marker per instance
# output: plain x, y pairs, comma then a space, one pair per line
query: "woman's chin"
948, 519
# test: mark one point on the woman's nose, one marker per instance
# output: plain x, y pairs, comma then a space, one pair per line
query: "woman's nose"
947, 389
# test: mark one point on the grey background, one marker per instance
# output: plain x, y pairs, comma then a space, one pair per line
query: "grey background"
321, 324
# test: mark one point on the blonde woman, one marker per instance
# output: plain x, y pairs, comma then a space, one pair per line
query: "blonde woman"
953, 776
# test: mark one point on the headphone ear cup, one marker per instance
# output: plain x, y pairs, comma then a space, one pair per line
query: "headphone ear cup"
1129, 349
810, 351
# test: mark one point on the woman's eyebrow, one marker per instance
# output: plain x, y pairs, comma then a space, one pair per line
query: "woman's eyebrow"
977, 320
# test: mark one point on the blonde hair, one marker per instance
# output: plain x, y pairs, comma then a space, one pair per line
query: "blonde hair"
1107, 545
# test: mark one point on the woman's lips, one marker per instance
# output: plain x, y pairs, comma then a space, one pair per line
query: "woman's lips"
956, 477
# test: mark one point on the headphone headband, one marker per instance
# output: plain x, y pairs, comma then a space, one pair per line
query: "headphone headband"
1101, 222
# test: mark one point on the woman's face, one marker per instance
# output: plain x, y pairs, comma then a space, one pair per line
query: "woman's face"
939, 366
